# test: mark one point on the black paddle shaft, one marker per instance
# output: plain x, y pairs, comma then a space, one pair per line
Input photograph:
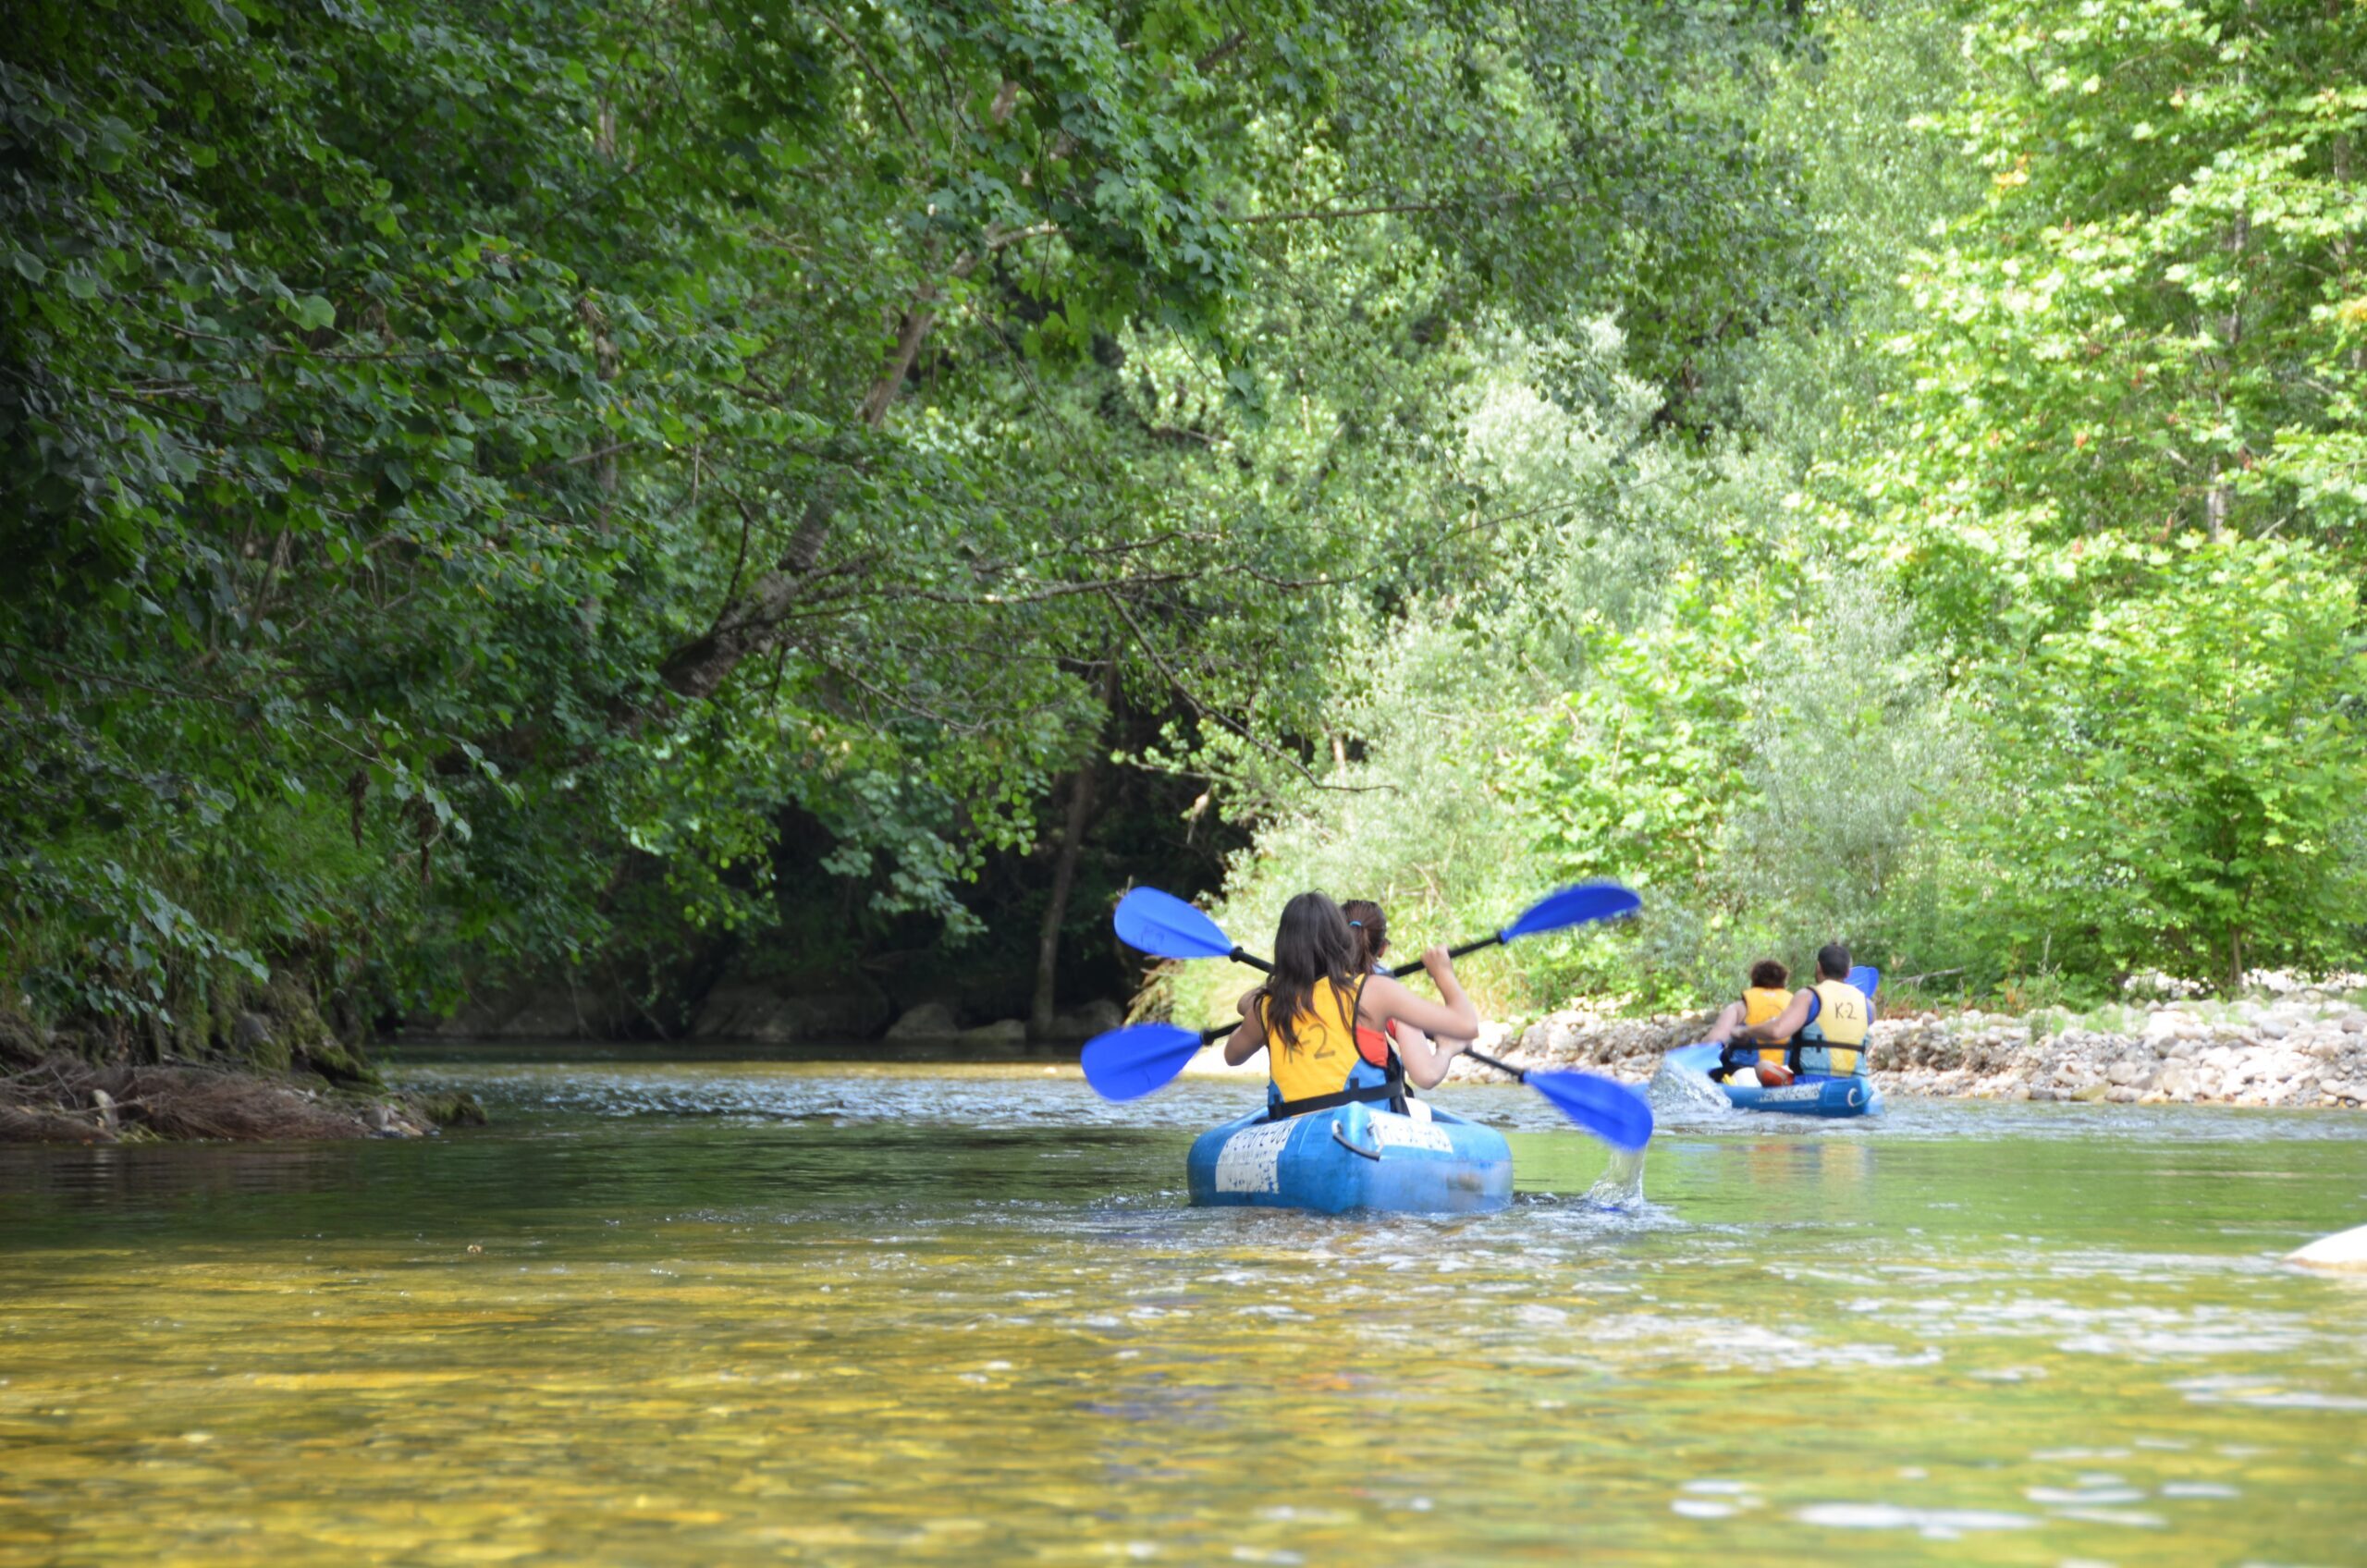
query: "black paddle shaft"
1403, 970
1518, 1076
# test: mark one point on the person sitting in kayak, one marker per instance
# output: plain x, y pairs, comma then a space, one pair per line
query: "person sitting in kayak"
1762, 1001
1825, 1024
1371, 926
1307, 1015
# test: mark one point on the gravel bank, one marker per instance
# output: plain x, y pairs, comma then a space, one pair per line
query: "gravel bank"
2305, 1049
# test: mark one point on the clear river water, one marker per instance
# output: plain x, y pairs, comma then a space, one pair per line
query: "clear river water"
673, 1311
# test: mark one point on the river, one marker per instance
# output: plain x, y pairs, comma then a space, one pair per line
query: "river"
671, 1311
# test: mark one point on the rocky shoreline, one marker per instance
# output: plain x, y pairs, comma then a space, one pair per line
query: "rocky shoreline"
2305, 1049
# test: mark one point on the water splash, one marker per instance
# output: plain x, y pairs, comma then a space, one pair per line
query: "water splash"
1674, 1089
1621, 1185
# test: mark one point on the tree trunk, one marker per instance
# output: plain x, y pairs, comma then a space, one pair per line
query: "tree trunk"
697, 668
1048, 938
909, 337
1080, 815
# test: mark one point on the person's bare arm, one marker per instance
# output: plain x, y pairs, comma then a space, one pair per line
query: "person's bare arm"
1250, 1038
1782, 1027
1452, 1020
1728, 1021
1427, 1059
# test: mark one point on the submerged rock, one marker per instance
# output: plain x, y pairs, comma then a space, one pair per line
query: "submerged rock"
1005, 1034
1080, 1024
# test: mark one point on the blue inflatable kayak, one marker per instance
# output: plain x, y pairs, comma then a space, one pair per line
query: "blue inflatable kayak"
1806, 1096
1809, 1094
1353, 1157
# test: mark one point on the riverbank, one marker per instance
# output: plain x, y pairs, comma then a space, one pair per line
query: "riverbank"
52, 1093
2305, 1049
63, 1099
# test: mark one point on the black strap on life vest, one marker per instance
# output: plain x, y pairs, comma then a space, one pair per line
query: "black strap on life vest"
1369, 1093
1391, 1087
1792, 1056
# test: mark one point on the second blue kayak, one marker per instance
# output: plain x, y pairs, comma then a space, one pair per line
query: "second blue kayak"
1806, 1096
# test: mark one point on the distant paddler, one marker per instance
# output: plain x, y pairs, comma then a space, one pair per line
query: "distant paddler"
1762, 1001
1822, 1031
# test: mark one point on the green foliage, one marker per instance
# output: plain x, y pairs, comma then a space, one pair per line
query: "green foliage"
2181, 771
472, 474
551, 445
2157, 321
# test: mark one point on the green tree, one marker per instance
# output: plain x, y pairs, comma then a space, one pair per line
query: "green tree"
2158, 319
2177, 775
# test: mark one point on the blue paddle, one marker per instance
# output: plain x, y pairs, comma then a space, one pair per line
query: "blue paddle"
1128, 1063
1165, 927
1578, 904
1125, 1064
1613, 1111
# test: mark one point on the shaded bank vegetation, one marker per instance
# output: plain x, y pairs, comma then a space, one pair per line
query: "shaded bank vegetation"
821, 496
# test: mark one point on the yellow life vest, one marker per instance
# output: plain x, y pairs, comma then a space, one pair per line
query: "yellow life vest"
1830, 1043
1760, 1004
1326, 1052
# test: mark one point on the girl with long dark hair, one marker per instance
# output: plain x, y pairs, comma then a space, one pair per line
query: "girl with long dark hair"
1307, 1016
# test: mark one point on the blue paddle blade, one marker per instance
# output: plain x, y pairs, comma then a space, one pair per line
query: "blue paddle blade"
1574, 906
1166, 927
1867, 978
1127, 1064
1611, 1110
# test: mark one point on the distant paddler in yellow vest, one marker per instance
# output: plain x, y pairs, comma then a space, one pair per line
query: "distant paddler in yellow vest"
1305, 1015
1763, 1001
1824, 1024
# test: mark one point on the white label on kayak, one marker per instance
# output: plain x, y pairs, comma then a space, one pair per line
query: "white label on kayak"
1787, 1095
1251, 1160
1404, 1132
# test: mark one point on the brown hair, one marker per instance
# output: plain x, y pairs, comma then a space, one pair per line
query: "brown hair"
1312, 942
1371, 928
1768, 975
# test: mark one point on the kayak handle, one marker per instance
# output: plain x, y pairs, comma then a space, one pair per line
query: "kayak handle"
1342, 1139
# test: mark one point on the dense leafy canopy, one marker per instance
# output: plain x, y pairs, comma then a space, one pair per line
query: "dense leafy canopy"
502, 486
